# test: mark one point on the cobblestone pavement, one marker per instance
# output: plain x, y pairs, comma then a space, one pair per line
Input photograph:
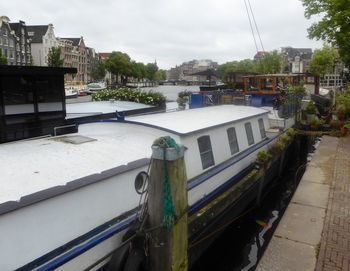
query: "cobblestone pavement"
334, 252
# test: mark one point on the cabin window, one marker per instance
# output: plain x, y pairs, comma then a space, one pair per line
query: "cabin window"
249, 131
205, 151
232, 139
262, 128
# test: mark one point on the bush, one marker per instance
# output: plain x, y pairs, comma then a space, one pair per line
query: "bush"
277, 147
311, 108
131, 95
263, 157
343, 102
291, 132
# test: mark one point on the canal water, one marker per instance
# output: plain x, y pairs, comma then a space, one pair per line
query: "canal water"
243, 243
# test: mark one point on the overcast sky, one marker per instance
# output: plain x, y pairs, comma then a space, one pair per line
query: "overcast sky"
170, 31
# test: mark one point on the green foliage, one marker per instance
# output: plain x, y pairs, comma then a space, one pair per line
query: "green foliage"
245, 65
315, 124
298, 90
333, 27
98, 72
132, 95
271, 63
311, 108
54, 57
119, 63
160, 75
323, 60
139, 70
291, 132
183, 98
343, 103
3, 59
263, 157
277, 147
184, 93
151, 69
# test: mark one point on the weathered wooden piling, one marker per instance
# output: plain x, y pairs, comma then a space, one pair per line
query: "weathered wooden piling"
168, 242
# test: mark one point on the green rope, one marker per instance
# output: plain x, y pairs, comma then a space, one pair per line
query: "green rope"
169, 212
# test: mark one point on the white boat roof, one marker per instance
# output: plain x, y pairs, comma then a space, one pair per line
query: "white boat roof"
189, 121
61, 163
75, 110
34, 165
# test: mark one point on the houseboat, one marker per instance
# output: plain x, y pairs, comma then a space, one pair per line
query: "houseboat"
264, 89
67, 201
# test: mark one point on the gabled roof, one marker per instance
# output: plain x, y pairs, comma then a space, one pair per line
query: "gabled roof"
17, 28
36, 32
104, 56
75, 41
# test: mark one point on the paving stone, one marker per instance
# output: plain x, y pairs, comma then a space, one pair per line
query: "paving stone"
310, 193
302, 223
288, 255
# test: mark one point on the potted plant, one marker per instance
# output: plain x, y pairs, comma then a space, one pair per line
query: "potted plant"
182, 99
311, 111
263, 158
345, 129
341, 111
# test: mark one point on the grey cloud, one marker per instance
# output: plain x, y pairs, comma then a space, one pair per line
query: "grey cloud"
172, 31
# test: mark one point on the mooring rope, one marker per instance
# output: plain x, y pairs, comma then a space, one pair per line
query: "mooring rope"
169, 211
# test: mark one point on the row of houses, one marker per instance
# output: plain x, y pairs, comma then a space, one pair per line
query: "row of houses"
25, 44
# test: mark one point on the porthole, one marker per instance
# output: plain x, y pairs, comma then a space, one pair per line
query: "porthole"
141, 182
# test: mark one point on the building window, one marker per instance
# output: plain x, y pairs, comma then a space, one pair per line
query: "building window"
262, 128
232, 140
205, 151
12, 43
249, 131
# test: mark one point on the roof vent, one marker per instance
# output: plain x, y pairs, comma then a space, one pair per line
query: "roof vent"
76, 139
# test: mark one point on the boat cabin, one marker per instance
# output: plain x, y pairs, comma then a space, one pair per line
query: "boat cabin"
32, 101
277, 83
264, 89
88, 178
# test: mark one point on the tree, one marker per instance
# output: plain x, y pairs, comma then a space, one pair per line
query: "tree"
151, 69
98, 72
323, 60
54, 57
334, 27
119, 64
271, 63
245, 65
3, 59
138, 70
160, 75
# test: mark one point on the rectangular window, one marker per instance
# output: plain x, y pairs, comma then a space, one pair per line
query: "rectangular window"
17, 95
249, 132
232, 140
205, 151
262, 128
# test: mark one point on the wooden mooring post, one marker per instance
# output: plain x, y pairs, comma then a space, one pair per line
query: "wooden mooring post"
168, 242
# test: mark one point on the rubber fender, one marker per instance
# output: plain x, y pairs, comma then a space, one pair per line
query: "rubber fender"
135, 260
119, 258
